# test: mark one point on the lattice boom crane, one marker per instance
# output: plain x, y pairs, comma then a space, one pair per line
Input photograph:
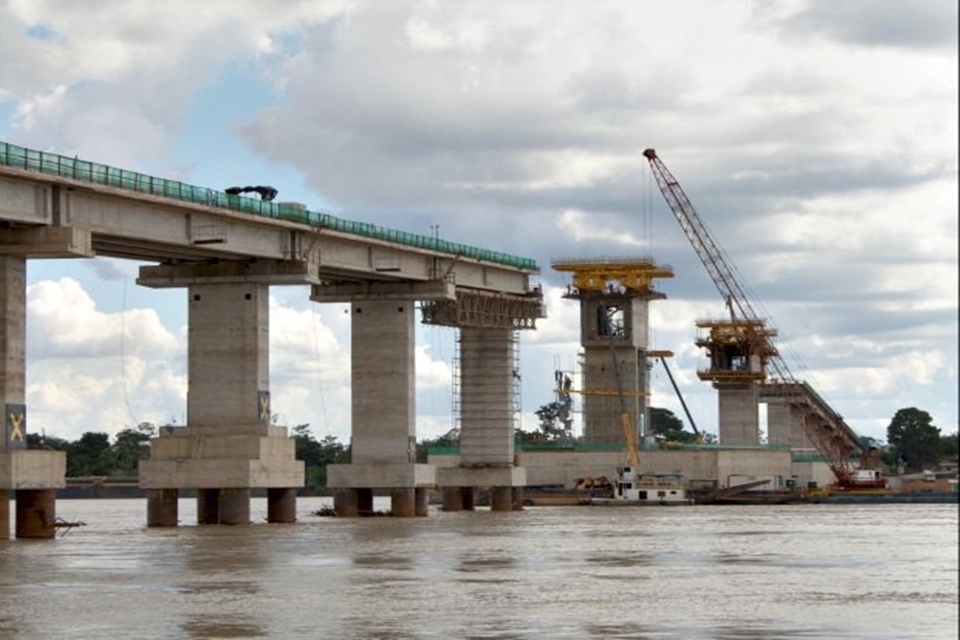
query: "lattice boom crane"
742, 349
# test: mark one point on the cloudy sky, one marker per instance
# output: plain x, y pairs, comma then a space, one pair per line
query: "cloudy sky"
816, 138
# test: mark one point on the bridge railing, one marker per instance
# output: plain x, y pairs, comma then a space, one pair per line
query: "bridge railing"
101, 174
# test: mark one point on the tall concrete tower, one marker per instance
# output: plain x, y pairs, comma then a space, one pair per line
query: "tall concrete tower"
614, 297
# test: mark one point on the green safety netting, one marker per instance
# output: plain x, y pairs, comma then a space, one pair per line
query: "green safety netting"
66, 167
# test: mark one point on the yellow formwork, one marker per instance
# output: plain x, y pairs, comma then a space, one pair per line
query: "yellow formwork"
598, 275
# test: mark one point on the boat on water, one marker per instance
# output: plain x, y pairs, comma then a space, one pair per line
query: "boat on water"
886, 497
633, 487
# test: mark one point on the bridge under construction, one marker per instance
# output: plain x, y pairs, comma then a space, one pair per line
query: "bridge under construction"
226, 250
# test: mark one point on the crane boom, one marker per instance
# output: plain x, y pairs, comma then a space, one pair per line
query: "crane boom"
745, 338
707, 250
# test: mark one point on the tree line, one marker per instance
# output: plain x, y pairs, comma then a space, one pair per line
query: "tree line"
913, 444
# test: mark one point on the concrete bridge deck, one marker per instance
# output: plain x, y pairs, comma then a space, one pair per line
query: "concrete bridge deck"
226, 250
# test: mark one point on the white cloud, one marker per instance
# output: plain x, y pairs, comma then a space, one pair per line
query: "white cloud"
819, 143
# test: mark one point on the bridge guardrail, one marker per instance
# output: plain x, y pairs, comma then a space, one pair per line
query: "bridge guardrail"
94, 173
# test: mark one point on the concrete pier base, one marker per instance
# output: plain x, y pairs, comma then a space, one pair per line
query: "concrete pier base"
354, 485
517, 498
30, 477
234, 506
233, 459
501, 499
36, 513
452, 498
282, 505
358, 503
459, 498
345, 503
162, 507
738, 413
422, 499
459, 486
4, 515
223, 506
403, 503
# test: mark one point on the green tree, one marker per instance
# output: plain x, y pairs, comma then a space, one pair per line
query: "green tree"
555, 420
91, 455
50, 443
130, 446
537, 436
949, 446
665, 424
316, 455
448, 440
914, 438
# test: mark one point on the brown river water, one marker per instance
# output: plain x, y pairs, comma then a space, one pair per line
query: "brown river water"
712, 572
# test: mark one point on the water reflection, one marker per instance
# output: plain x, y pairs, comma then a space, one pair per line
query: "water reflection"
223, 627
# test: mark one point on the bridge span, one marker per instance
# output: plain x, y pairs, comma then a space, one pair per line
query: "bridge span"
226, 250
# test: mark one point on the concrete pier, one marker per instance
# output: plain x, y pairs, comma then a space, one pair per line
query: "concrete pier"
345, 503
4, 515
36, 513
486, 421
786, 425
32, 475
282, 505
383, 403
739, 415
162, 507
614, 296
403, 503
458, 498
229, 445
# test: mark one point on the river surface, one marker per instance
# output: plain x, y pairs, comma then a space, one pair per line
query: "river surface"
718, 572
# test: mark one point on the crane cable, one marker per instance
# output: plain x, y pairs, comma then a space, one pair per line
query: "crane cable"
316, 353
123, 354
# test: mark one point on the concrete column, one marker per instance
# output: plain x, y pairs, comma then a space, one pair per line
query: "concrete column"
228, 355
383, 382
234, 506
345, 503
518, 498
785, 426
422, 498
281, 505
486, 397
403, 503
739, 415
36, 513
162, 507
383, 451
501, 499
4, 515
614, 330
13, 355
42, 471
452, 498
